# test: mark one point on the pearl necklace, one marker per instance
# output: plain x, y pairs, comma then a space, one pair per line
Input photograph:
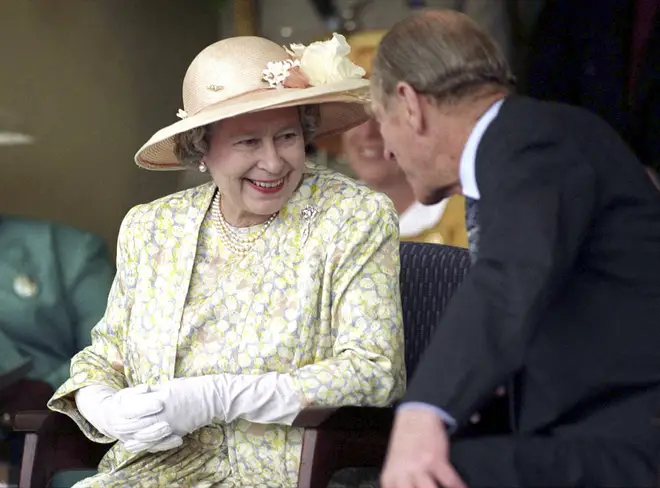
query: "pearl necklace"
236, 242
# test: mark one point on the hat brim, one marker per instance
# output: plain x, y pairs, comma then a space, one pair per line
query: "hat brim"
341, 105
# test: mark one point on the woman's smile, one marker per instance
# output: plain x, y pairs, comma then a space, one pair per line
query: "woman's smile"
266, 186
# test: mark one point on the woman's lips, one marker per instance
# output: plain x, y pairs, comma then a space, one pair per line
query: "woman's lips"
266, 186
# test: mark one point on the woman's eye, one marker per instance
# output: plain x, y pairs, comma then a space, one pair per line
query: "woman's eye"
289, 136
249, 142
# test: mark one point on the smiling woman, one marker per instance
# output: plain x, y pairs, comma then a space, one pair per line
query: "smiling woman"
256, 159
240, 302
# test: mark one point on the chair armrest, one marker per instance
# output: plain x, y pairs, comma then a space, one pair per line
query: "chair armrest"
44, 423
346, 418
53, 442
338, 438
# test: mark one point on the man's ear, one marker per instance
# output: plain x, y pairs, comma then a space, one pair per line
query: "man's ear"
411, 103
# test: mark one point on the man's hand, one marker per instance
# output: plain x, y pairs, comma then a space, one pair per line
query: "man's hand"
418, 455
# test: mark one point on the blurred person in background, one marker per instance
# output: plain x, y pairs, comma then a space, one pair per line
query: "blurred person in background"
54, 285
362, 150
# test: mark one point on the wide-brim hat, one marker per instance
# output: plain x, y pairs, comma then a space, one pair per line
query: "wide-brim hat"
241, 75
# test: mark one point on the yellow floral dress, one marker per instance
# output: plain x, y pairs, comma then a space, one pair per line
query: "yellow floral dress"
317, 297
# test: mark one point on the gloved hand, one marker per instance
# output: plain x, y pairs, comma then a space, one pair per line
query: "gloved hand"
170, 442
195, 402
128, 415
188, 403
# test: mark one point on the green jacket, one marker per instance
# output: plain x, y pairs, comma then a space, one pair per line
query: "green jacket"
54, 284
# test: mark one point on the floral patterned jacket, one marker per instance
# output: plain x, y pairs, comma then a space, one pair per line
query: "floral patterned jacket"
317, 297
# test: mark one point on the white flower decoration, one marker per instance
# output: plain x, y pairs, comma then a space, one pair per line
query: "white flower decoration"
325, 61
182, 114
296, 50
276, 72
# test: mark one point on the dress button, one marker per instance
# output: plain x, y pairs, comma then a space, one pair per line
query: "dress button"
476, 418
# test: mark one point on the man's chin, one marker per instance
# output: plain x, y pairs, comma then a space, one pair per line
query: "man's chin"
434, 196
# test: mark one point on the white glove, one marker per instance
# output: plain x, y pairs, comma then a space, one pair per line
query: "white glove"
128, 415
195, 402
170, 442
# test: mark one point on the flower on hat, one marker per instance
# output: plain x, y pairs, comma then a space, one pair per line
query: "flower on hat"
182, 114
326, 61
277, 72
317, 64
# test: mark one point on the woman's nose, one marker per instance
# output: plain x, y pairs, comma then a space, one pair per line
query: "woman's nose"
270, 158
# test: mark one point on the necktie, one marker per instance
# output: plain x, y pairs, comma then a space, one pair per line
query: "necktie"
472, 225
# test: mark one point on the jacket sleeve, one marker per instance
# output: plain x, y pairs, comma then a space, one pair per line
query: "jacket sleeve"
366, 366
102, 362
530, 236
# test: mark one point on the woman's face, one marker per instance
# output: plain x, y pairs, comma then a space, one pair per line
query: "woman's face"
257, 161
363, 147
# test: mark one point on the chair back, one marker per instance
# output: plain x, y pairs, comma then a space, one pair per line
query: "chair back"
430, 274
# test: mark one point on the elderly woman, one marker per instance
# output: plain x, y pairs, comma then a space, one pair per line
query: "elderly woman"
240, 302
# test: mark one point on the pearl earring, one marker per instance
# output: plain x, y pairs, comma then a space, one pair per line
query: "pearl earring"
202, 167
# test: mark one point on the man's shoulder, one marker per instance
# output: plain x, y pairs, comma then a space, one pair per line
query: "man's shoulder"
525, 124
530, 116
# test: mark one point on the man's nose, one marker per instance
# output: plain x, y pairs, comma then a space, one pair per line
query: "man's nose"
372, 129
389, 155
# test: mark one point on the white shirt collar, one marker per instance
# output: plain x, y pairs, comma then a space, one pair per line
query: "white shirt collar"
418, 218
468, 158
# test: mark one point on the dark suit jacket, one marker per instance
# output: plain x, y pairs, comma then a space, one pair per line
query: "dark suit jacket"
581, 55
565, 295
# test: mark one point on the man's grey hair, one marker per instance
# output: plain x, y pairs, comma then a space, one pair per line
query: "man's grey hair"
191, 146
442, 54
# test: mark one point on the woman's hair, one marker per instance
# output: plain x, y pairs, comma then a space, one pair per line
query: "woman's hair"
444, 55
191, 146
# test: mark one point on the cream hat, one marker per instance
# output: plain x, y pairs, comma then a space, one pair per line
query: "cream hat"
240, 75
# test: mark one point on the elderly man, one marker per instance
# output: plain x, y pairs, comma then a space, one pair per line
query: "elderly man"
562, 303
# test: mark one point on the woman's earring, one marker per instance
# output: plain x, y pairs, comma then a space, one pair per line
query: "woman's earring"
202, 167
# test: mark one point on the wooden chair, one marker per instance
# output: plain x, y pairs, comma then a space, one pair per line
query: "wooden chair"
334, 438
9, 379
